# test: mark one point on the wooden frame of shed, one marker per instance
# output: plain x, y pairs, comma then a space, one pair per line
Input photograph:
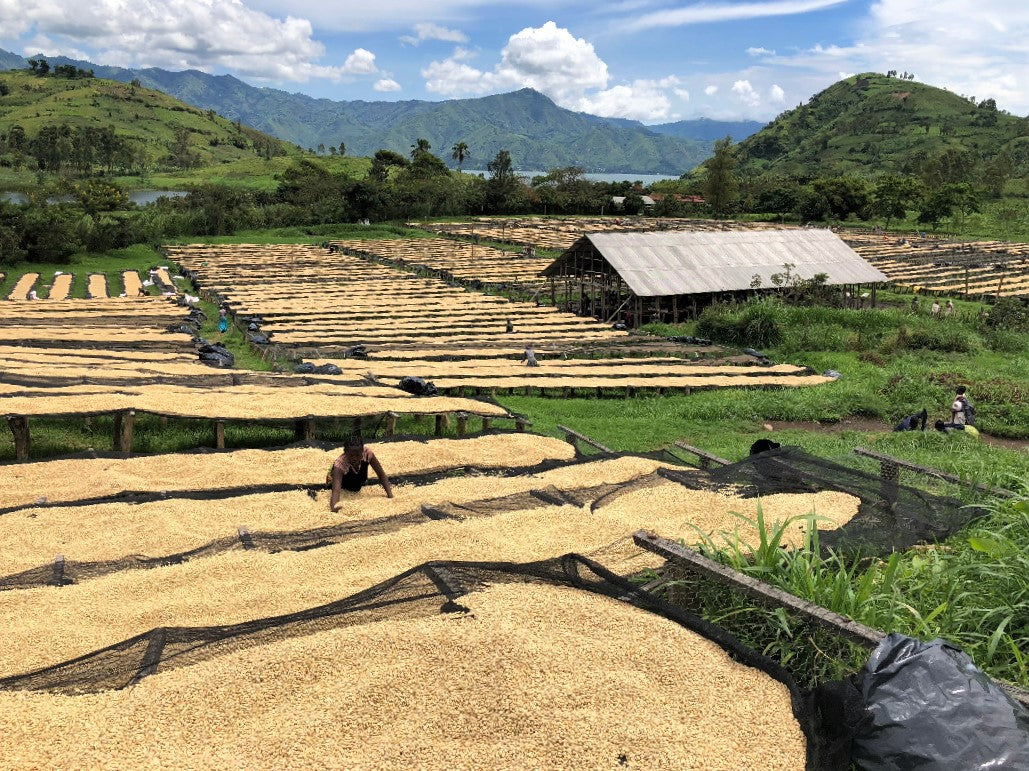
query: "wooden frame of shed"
638, 277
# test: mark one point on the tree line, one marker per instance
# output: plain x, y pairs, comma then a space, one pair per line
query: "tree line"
950, 184
65, 216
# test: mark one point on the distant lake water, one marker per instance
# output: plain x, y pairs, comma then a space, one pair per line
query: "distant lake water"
138, 197
646, 179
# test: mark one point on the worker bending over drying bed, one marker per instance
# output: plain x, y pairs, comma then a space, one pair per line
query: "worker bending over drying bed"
350, 471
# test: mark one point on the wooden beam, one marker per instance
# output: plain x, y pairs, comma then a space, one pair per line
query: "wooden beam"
573, 436
391, 423
706, 458
219, 434
766, 593
462, 423
890, 466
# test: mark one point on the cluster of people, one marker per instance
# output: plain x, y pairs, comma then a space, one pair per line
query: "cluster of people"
935, 310
962, 417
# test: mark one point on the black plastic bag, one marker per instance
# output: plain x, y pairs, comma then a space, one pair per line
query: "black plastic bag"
212, 359
418, 386
932, 708
356, 352
304, 368
327, 369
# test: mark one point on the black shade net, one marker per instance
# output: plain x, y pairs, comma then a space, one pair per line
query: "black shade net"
891, 516
428, 589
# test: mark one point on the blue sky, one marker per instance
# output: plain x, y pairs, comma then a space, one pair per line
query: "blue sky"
651, 60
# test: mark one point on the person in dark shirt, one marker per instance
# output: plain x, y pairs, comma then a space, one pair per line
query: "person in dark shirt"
913, 422
350, 471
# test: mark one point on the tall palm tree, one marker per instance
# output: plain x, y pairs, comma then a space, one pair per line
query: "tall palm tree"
422, 146
460, 153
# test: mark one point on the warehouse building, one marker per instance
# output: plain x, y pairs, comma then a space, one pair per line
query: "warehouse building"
639, 277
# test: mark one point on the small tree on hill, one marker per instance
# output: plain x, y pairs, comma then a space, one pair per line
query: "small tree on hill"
721, 187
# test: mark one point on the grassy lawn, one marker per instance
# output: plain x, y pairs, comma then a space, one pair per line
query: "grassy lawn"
139, 258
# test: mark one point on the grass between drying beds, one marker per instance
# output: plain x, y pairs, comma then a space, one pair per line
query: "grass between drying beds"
727, 421
53, 437
972, 590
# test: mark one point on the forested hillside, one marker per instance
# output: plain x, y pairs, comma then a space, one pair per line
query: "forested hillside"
873, 123
58, 117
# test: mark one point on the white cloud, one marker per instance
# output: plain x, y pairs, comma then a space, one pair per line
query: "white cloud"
429, 31
683, 94
702, 13
745, 93
567, 69
759, 51
776, 94
548, 58
360, 62
979, 48
386, 84
642, 100
208, 35
710, 90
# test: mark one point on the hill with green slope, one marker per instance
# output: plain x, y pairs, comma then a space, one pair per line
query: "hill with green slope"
872, 123
58, 123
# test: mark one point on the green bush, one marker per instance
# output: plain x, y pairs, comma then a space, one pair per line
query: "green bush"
757, 324
1006, 341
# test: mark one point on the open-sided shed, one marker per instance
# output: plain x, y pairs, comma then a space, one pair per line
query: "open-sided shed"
665, 274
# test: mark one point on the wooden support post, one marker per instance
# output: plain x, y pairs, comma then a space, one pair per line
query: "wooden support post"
487, 423
356, 428
520, 424
219, 434
391, 424
462, 423
22, 440
58, 576
163, 421
123, 430
303, 429
440, 423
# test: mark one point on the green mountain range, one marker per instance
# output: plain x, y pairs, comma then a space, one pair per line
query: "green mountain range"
537, 133
873, 123
710, 130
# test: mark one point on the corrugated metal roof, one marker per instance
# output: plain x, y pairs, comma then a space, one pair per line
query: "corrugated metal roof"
661, 263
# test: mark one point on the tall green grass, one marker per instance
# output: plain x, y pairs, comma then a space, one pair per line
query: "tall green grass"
972, 590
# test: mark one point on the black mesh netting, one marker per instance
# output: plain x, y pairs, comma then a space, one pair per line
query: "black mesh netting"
891, 516
62, 572
425, 590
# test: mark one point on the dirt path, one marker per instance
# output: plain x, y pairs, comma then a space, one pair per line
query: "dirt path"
870, 425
